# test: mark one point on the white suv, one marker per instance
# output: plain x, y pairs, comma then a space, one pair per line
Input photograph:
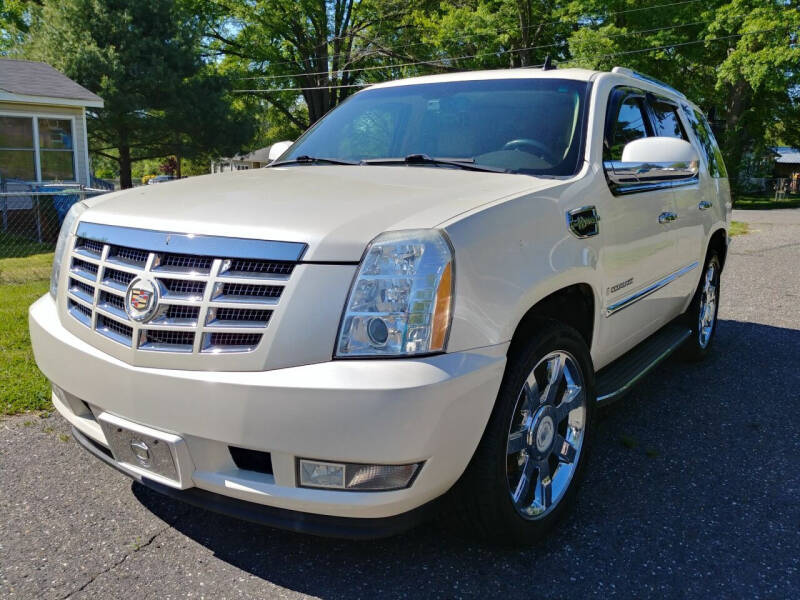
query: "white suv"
422, 301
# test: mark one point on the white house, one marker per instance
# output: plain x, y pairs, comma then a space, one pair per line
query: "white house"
43, 124
252, 160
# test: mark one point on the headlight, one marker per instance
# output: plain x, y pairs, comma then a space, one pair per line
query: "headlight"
401, 300
66, 230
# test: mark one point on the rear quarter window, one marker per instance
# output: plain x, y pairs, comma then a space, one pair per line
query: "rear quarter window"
708, 144
666, 121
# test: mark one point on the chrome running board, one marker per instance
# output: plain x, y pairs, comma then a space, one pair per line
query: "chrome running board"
617, 379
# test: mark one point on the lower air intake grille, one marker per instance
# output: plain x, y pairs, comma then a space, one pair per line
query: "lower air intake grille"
251, 460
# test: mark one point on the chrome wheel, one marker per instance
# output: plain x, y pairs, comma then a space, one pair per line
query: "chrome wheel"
546, 434
708, 306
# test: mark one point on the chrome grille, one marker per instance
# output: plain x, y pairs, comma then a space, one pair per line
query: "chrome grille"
247, 290
130, 256
241, 267
177, 311
184, 263
182, 287
113, 276
208, 304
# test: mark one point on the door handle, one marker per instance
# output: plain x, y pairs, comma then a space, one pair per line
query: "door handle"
667, 217
704, 205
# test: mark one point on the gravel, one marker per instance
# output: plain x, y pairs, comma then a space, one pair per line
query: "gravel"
691, 491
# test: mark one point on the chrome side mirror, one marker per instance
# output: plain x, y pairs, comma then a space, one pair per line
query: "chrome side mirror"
653, 163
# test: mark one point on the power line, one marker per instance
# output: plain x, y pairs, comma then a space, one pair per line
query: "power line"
433, 60
610, 55
302, 89
496, 31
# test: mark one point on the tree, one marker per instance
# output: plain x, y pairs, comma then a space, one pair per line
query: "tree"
144, 60
308, 44
14, 19
737, 59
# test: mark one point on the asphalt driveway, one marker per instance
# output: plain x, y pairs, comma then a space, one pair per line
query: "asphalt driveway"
692, 492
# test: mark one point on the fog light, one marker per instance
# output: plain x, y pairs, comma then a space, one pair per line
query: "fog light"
348, 476
325, 475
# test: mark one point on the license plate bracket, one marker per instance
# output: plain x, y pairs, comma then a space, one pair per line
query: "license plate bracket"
146, 451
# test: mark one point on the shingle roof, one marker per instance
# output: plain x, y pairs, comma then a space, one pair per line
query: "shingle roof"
788, 156
29, 78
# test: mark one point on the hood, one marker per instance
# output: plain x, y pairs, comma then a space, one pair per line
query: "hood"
336, 210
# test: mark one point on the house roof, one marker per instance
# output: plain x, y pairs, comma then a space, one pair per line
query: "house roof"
38, 82
787, 156
260, 155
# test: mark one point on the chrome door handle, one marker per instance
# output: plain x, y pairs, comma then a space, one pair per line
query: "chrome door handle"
704, 205
667, 217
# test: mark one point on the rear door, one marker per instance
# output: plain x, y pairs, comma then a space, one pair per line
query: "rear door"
640, 253
689, 197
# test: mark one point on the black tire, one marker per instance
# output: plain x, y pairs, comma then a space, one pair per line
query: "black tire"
701, 339
481, 502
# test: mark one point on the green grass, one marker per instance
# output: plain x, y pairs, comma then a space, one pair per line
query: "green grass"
23, 260
14, 246
22, 386
36, 267
765, 202
738, 228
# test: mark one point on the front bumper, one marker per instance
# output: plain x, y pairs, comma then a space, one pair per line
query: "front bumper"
430, 410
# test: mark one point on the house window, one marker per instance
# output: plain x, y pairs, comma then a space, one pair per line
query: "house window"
56, 154
21, 157
17, 152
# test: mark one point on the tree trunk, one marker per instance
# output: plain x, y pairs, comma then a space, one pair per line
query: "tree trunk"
178, 165
125, 167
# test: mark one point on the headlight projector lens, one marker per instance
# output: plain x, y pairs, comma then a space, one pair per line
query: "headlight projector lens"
378, 332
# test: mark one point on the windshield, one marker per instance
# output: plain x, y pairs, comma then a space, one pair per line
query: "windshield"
531, 126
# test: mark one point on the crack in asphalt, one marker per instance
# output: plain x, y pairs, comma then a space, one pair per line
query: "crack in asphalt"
765, 250
94, 577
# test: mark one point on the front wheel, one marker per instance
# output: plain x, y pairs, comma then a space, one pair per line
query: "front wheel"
527, 467
701, 315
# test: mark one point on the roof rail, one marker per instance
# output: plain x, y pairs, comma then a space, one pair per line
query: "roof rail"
647, 78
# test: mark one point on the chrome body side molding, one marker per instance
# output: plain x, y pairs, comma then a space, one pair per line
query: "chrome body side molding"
183, 243
650, 289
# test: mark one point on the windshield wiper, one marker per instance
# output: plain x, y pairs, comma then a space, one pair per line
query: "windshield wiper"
312, 160
468, 164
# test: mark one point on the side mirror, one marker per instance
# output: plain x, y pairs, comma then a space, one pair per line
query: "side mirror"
278, 148
652, 163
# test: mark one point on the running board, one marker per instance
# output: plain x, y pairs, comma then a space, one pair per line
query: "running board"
617, 379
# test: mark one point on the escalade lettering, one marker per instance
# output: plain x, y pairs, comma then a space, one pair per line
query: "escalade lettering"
619, 286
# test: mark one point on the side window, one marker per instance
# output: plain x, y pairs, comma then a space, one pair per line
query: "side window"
630, 125
666, 122
711, 151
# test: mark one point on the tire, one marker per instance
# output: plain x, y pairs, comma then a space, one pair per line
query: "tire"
701, 316
531, 433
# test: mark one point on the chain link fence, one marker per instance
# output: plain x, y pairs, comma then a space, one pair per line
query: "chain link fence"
30, 220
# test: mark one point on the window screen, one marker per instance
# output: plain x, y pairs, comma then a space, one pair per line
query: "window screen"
55, 146
17, 156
